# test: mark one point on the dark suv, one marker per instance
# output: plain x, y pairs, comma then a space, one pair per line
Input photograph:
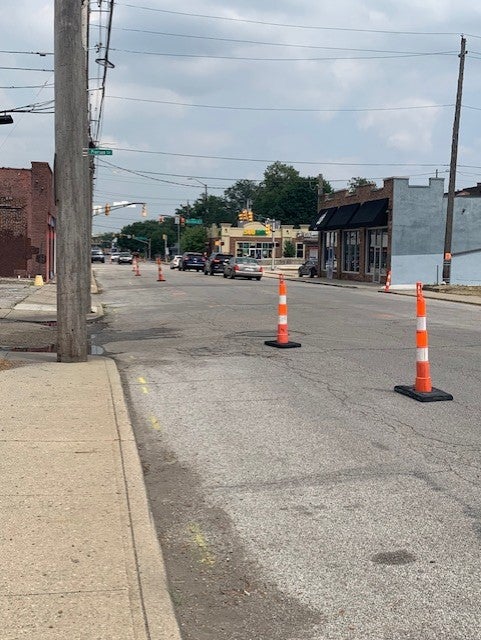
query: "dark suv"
191, 260
308, 268
215, 263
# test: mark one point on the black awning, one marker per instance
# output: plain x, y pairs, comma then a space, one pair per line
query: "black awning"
322, 218
341, 217
372, 213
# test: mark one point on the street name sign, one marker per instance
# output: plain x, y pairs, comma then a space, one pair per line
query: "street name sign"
99, 152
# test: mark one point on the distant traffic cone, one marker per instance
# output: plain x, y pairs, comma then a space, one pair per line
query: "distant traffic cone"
160, 276
134, 264
137, 268
387, 286
423, 389
282, 341
38, 282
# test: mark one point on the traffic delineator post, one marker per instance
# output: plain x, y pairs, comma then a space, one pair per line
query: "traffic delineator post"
137, 268
134, 264
422, 389
282, 341
387, 286
160, 275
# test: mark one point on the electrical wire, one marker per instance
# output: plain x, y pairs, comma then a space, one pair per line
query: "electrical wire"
308, 162
295, 26
261, 42
252, 59
294, 109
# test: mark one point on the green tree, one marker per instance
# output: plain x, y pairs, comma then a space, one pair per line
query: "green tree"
237, 197
289, 249
210, 210
287, 196
194, 239
354, 183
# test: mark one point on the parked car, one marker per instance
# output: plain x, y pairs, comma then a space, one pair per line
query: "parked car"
192, 260
308, 268
114, 256
97, 255
242, 268
175, 262
125, 257
215, 263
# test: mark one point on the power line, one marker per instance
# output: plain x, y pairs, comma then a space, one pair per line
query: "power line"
295, 109
28, 69
30, 53
294, 26
309, 162
261, 42
252, 59
28, 86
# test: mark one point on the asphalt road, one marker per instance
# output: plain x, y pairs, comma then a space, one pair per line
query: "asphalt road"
296, 496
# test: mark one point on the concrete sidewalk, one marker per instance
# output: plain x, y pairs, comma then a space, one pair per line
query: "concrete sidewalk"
80, 556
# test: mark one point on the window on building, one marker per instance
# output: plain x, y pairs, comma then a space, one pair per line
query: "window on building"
376, 252
350, 251
300, 250
256, 250
329, 244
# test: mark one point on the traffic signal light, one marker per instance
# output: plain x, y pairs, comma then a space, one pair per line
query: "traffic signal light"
242, 215
107, 209
250, 215
268, 229
144, 211
182, 221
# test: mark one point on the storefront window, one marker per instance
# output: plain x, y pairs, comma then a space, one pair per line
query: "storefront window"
300, 250
376, 253
329, 242
350, 254
257, 250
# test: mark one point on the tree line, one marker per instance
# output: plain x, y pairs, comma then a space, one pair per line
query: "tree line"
283, 194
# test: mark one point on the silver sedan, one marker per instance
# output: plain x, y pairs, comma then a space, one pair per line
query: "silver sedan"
243, 268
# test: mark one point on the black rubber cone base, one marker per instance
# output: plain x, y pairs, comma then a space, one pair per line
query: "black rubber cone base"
282, 345
435, 395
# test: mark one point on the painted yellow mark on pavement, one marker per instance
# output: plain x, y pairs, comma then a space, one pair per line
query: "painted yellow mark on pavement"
198, 538
144, 387
154, 423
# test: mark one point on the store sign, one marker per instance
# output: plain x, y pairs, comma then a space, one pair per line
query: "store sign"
254, 232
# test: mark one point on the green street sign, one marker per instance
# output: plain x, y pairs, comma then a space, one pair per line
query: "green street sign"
194, 221
141, 238
100, 152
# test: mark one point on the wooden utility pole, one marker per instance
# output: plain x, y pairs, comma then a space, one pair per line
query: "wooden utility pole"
448, 236
71, 183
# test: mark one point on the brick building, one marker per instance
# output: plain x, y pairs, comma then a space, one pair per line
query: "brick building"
400, 228
27, 222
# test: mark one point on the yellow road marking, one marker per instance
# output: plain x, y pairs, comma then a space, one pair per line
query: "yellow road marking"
198, 538
143, 382
154, 423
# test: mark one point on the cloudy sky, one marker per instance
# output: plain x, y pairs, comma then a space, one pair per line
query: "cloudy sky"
209, 92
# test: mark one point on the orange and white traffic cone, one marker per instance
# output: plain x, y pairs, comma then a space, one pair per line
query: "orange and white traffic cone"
160, 275
134, 264
423, 389
387, 286
137, 268
282, 341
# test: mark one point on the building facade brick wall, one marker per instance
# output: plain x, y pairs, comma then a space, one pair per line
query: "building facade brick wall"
27, 222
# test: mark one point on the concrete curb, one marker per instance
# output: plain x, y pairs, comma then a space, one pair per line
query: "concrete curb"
154, 610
